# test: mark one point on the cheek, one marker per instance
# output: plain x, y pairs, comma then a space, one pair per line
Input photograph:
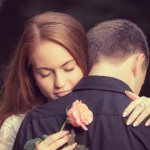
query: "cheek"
75, 77
45, 85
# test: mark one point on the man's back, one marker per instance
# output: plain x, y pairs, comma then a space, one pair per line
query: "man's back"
108, 131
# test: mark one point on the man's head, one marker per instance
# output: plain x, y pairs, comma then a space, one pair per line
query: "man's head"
122, 45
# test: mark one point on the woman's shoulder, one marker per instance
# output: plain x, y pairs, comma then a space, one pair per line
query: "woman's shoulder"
9, 129
12, 121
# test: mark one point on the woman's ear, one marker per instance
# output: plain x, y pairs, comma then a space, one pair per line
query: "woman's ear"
138, 64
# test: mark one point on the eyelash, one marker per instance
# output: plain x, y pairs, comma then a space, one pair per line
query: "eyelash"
68, 70
44, 76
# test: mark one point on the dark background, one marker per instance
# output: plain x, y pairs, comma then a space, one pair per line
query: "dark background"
14, 13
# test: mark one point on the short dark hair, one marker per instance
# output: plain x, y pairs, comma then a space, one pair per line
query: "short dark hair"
117, 38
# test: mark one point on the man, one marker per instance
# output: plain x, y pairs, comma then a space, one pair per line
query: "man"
118, 61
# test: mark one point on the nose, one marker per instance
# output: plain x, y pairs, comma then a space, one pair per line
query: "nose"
60, 80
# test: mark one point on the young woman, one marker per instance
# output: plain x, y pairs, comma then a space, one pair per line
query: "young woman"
46, 36
49, 61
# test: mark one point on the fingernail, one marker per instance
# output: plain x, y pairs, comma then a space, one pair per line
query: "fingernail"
135, 123
65, 132
124, 114
128, 122
74, 145
147, 124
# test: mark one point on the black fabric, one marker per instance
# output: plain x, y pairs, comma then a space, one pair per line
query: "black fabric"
108, 131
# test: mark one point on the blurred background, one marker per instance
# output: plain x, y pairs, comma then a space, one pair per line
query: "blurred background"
14, 13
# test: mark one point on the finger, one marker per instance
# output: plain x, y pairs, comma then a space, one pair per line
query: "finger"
52, 138
147, 123
146, 100
131, 95
60, 142
70, 147
142, 116
40, 146
136, 112
131, 107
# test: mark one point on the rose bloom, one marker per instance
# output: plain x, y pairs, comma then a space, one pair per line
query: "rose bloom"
80, 115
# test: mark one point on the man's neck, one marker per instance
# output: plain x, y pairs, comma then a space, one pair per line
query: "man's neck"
116, 71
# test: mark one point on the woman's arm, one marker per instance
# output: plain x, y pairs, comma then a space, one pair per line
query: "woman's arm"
137, 110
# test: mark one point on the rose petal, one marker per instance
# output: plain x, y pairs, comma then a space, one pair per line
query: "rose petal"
80, 115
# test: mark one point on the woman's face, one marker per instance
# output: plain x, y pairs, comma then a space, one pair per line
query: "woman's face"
54, 69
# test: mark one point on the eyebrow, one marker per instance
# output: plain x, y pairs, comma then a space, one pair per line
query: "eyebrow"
49, 69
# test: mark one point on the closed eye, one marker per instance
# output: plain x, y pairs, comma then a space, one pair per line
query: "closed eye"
45, 75
69, 66
68, 69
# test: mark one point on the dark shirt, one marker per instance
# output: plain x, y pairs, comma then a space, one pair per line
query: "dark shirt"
106, 99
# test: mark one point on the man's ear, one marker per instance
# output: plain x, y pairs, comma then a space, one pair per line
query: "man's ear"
138, 64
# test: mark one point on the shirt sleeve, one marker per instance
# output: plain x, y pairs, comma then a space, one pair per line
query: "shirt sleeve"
9, 130
22, 135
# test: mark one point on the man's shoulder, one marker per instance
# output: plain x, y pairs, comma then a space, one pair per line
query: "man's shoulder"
53, 107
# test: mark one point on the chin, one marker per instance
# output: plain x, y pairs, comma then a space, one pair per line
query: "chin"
51, 98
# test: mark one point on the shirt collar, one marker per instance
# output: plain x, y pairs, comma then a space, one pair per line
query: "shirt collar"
102, 83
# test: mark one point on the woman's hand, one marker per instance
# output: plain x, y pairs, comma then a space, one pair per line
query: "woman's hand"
55, 141
139, 109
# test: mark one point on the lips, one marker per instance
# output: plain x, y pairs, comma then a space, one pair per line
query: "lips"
62, 93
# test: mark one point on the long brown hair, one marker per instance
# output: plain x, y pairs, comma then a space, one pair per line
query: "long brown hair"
20, 92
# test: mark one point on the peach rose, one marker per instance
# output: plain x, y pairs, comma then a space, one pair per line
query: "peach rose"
80, 115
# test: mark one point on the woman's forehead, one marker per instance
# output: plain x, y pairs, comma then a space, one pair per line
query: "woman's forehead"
50, 53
